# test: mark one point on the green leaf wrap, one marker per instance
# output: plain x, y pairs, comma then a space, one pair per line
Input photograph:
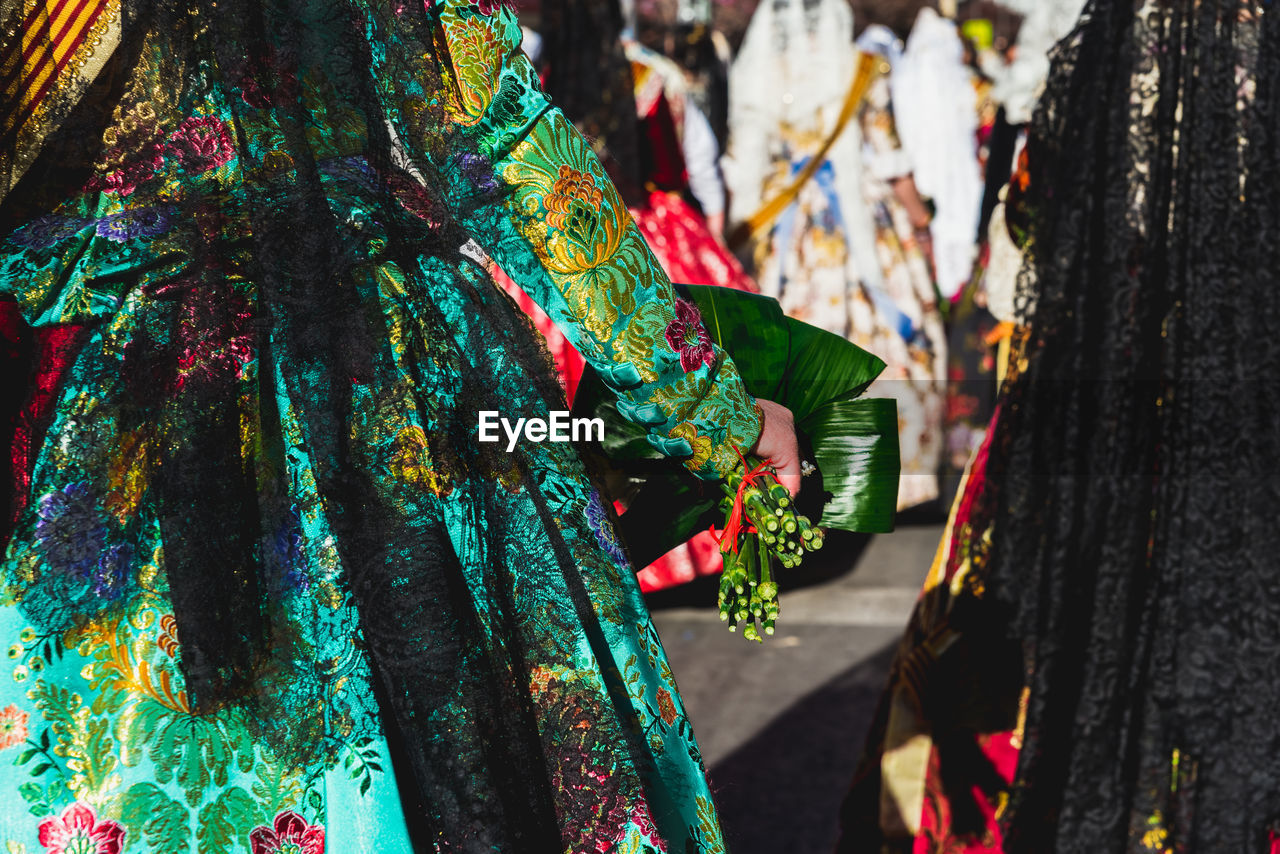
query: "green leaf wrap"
819, 376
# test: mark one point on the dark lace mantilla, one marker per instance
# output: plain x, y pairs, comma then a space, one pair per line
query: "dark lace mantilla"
1135, 467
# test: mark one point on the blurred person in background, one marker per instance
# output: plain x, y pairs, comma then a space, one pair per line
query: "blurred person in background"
937, 111
981, 320
1091, 665
848, 250
703, 52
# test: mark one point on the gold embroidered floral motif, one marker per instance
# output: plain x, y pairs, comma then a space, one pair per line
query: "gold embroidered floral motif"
572, 186
477, 49
576, 224
1157, 836
638, 340
411, 461
127, 476
702, 446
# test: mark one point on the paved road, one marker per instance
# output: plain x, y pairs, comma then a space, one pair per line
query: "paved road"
781, 724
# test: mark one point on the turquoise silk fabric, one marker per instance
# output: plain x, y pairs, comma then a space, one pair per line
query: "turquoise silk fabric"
268, 592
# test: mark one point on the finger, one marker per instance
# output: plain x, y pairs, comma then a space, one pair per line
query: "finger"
790, 478
788, 468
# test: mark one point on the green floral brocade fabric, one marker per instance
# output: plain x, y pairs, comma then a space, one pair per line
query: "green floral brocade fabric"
269, 592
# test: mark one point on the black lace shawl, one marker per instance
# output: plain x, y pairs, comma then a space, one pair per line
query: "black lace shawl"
1135, 540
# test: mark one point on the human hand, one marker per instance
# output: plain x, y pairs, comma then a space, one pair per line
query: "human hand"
778, 444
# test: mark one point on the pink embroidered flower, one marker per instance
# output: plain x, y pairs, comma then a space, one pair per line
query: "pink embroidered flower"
687, 337
13, 726
489, 7
138, 170
289, 834
201, 143
77, 831
643, 821
214, 344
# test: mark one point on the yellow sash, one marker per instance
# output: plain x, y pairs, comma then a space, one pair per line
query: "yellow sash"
869, 68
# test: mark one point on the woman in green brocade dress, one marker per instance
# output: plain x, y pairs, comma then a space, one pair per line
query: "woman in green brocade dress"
267, 591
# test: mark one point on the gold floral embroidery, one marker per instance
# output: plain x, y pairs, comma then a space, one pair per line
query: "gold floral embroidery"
391, 285
676, 397
123, 658
477, 49
702, 445
146, 113
577, 225
638, 340
572, 186
127, 476
411, 461
709, 826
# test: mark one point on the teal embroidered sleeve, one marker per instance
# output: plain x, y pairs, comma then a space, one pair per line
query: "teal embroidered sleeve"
564, 234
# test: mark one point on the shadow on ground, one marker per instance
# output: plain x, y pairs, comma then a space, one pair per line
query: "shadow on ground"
780, 792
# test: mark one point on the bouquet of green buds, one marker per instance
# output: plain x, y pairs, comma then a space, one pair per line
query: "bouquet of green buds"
852, 444
761, 527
